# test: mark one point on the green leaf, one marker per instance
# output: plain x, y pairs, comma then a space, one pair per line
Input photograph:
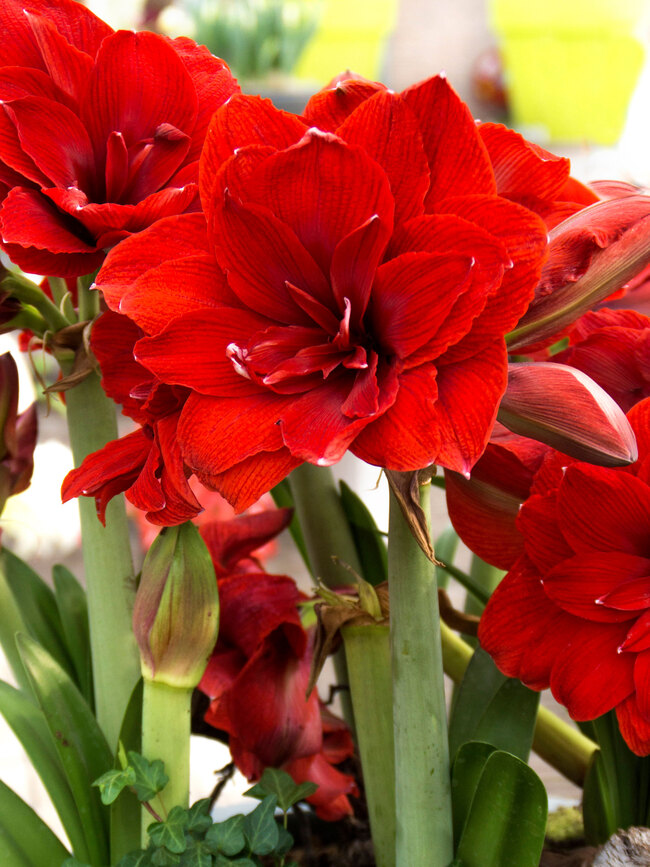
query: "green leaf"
283, 498
466, 771
74, 862
493, 708
79, 741
38, 607
244, 862
279, 783
260, 828
125, 811
25, 839
507, 817
369, 542
285, 841
197, 855
73, 611
150, 777
113, 782
227, 837
138, 858
164, 858
27, 722
198, 818
171, 832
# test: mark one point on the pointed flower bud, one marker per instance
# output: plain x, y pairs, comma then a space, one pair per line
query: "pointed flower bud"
564, 408
592, 254
17, 434
176, 612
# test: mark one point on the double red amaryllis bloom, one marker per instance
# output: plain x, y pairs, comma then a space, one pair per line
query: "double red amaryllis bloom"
100, 132
257, 676
353, 290
573, 613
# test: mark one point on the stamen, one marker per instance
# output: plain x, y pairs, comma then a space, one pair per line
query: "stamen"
237, 356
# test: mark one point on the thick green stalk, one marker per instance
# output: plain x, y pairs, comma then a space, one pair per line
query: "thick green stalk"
422, 791
166, 718
108, 566
327, 534
29, 293
561, 745
367, 650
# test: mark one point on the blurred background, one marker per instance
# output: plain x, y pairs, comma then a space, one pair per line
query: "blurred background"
571, 75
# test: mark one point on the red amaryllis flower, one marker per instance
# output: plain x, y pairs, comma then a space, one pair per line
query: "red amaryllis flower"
613, 348
100, 132
257, 676
574, 611
353, 292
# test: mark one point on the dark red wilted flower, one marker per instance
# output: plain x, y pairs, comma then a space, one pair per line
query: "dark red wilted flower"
257, 676
18, 434
353, 290
613, 348
100, 132
573, 613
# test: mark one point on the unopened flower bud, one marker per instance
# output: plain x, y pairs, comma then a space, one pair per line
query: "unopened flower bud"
176, 612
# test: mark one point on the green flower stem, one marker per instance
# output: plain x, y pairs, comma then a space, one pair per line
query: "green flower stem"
329, 542
367, 650
108, 566
166, 719
327, 534
422, 788
29, 293
561, 745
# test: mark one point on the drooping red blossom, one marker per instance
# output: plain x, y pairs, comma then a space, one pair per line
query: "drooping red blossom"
573, 613
18, 434
100, 132
146, 464
613, 348
353, 292
483, 509
258, 674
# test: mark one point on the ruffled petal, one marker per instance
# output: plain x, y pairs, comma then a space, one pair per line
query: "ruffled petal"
329, 108
244, 483
634, 726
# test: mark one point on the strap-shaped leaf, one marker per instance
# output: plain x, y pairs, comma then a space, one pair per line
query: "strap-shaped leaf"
25, 839
493, 708
27, 722
466, 772
445, 548
81, 746
370, 544
73, 611
125, 811
507, 817
37, 605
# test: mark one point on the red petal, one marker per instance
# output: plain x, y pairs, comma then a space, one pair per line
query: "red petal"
213, 83
235, 540
261, 255
601, 509
112, 340
138, 82
180, 504
634, 727
329, 108
171, 238
198, 283
354, 264
13, 154
65, 158
638, 636
164, 155
329, 801
412, 297
590, 676
69, 67
193, 351
323, 189
583, 584
458, 159
393, 440
538, 521
243, 484
468, 398
390, 133
642, 683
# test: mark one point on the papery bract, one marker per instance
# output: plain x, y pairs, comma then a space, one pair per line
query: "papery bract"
354, 294
573, 612
125, 114
18, 434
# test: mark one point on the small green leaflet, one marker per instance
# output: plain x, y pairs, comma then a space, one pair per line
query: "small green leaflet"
279, 783
150, 777
227, 837
171, 832
261, 829
113, 782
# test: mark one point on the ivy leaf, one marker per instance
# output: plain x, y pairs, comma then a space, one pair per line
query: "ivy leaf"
164, 858
243, 862
285, 841
197, 855
113, 782
150, 777
138, 858
281, 784
198, 818
227, 837
171, 832
261, 829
